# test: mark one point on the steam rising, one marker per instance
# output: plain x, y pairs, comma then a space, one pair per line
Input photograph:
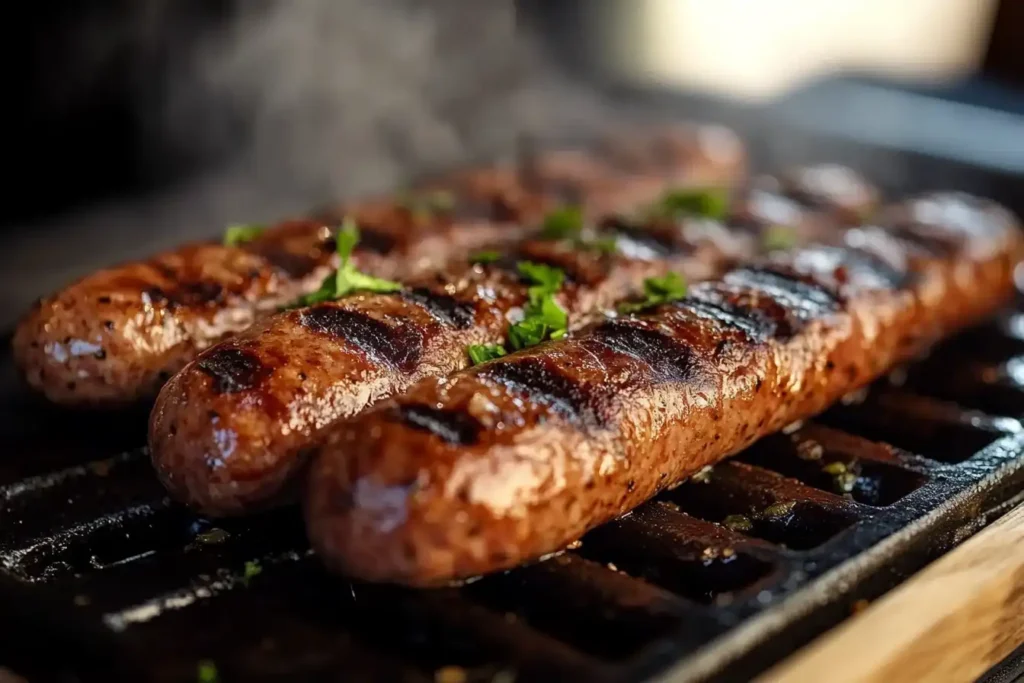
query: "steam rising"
299, 102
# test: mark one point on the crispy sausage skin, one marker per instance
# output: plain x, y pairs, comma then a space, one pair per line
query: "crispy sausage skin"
112, 338
229, 433
517, 457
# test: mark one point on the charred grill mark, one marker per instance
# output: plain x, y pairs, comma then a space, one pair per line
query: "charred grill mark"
202, 293
859, 261
730, 314
375, 241
785, 284
660, 242
667, 357
233, 370
400, 346
295, 266
929, 240
451, 426
444, 308
541, 381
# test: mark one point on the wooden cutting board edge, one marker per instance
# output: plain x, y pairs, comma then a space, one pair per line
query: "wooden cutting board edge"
950, 623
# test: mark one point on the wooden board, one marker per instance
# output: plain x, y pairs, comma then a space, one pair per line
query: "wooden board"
949, 623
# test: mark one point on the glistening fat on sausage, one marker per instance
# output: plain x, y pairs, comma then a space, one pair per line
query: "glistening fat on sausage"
230, 432
517, 457
112, 338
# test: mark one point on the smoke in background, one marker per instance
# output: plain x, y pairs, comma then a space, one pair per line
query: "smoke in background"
292, 103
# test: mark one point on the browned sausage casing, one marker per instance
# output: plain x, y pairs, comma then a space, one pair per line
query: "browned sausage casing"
230, 431
112, 338
517, 457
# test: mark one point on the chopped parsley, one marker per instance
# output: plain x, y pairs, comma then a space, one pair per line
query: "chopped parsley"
347, 279
778, 237
542, 319
239, 234
605, 245
710, 203
252, 569
658, 290
481, 353
206, 672
489, 256
563, 223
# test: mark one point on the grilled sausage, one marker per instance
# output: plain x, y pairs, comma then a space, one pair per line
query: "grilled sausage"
230, 431
517, 457
113, 337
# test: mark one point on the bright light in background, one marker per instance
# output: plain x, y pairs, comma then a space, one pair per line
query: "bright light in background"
758, 47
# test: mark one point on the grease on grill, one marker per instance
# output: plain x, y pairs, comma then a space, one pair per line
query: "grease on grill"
233, 370
399, 346
452, 426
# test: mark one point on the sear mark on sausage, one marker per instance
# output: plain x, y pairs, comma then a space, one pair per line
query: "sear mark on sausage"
444, 308
671, 360
540, 380
400, 346
233, 370
451, 426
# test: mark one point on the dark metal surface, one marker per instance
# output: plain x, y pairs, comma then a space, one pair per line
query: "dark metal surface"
104, 579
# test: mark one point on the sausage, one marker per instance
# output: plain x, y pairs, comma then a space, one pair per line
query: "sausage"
112, 338
516, 458
229, 433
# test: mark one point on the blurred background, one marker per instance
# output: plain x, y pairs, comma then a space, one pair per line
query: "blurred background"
132, 125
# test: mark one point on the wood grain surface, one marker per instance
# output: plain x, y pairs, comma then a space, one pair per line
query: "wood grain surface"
950, 623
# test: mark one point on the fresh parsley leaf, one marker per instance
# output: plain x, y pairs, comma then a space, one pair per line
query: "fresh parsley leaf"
346, 279
489, 256
605, 245
206, 672
544, 278
778, 237
710, 203
252, 568
542, 319
239, 234
658, 290
562, 223
349, 280
481, 353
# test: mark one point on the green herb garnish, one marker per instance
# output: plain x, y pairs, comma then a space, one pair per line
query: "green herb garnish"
206, 672
252, 569
778, 237
605, 245
658, 290
543, 318
239, 234
346, 279
489, 256
481, 353
710, 203
563, 223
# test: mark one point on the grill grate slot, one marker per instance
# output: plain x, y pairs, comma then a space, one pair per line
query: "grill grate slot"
764, 504
696, 560
830, 460
936, 430
994, 387
599, 611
